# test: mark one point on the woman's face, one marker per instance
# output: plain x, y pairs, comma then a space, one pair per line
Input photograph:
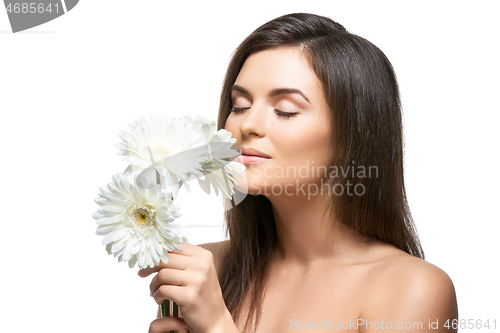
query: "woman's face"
280, 110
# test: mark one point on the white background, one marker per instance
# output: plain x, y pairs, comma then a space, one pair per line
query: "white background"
69, 86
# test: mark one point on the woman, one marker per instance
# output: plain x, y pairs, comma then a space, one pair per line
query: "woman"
326, 241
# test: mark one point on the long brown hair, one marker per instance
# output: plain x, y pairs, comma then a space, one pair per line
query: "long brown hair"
361, 90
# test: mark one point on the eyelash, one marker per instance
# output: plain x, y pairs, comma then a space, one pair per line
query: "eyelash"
279, 113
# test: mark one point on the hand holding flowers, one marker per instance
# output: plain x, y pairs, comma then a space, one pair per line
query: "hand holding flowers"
190, 279
137, 215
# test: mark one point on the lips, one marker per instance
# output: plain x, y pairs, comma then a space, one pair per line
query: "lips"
253, 152
252, 156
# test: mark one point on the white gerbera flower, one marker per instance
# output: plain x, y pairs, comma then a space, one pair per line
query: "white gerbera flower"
202, 125
219, 169
222, 179
137, 222
163, 145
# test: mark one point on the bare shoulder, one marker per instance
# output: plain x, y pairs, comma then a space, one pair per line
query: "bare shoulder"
216, 249
404, 286
400, 272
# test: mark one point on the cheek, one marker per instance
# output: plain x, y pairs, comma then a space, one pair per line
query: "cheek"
228, 125
232, 127
307, 143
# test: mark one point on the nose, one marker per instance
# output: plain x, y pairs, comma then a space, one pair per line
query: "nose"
254, 121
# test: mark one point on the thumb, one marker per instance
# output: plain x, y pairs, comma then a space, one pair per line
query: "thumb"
167, 324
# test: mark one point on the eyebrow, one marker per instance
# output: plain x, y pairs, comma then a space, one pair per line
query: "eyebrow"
274, 92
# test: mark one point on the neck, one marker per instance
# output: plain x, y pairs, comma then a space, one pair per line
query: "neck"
306, 235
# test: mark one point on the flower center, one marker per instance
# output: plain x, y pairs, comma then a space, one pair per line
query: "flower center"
161, 151
140, 216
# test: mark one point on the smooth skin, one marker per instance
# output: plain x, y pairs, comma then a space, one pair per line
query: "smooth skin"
316, 276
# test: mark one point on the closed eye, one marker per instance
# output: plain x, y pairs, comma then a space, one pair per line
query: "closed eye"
285, 114
238, 109
279, 113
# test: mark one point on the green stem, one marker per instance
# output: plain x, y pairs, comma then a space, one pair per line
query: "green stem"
165, 308
175, 313
176, 310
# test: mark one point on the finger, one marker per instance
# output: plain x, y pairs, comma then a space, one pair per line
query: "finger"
176, 261
173, 293
167, 324
189, 249
168, 276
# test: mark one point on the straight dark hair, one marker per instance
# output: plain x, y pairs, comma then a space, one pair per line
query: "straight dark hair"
361, 90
